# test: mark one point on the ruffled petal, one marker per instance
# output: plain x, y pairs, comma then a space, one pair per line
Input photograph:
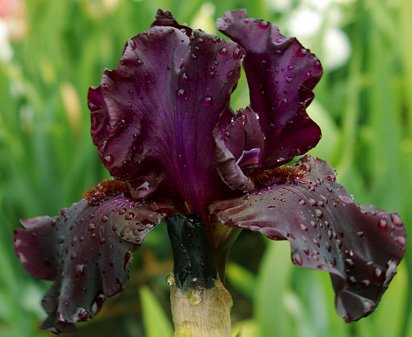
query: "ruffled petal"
281, 74
360, 246
239, 144
86, 251
154, 114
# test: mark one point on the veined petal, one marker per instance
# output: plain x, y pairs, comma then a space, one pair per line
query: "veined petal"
360, 246
155, 113
239, 145
281, 74
86, 250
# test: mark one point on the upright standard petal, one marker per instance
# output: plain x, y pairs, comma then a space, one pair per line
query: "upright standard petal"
154, 114
239, 143
86, 251
360, 246
281, 74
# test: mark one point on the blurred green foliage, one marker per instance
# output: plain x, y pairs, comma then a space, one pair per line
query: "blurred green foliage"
47, 160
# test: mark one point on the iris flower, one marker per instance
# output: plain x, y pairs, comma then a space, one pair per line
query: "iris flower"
178, 154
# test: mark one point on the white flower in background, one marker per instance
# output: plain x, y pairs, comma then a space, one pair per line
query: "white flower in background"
317, 24
6, 52
12, 26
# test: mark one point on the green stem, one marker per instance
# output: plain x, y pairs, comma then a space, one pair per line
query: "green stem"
200, 303
201, 312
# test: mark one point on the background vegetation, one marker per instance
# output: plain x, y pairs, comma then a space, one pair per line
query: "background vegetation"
364, 105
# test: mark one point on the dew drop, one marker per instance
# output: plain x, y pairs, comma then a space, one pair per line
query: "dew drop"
302, 202
378, 274
170, 279
318, 213
303, 227
289, 79
102, 241
352, 280
349, 263
133, 44
79, 270
302, 52
223, 51
195, 296
312, 202
382, 224
396, 220
360, 234
108, 159
236, 53
401, 241
180, 93
297, 259
365, 283
263, 24
93, 107
208, 100
91, 227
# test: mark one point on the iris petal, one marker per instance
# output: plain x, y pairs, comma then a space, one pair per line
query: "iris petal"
360, 246
86, 251
281, 74
239, 143
154, 114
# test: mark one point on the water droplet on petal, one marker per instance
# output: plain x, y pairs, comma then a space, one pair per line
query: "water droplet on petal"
91, 227
108, 159
236, 53
396, 220
302, 202
223, 51
303, 227
181, 93
365, 283
382, 224
289, 79
302, 52
79, 270
208, 100
93, 107
312, 202
297, 259
401, 241
263, 24
132, 44
318, 213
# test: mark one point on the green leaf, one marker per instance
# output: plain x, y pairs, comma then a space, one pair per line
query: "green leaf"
155, 321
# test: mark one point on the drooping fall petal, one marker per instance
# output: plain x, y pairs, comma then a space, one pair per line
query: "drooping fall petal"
154, 114
281, 74
360, 246
86, 251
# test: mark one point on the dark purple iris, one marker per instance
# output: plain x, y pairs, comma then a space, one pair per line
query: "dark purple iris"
165, 131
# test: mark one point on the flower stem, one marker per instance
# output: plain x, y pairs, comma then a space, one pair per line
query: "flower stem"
200, 302
201, 312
